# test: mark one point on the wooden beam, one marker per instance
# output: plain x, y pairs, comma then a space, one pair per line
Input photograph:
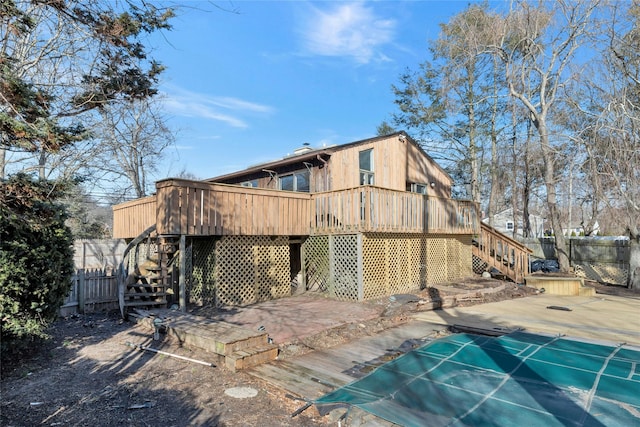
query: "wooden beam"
182, 276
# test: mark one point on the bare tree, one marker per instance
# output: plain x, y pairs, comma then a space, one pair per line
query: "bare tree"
61, 60
613, 144
539, 45
452, 101
133, 137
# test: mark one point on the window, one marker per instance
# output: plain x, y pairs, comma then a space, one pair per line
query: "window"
253, 183
419, 188
297, 181
366, 167
509, 226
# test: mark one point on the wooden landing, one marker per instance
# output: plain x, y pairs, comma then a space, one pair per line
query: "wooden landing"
314, 374
240, 347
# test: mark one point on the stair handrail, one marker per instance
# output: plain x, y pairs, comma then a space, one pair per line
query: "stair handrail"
516, 266
124, 265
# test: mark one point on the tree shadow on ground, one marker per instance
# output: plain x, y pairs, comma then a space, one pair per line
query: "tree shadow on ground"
67, 381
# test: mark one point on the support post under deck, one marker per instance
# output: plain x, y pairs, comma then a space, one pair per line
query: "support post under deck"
182, 277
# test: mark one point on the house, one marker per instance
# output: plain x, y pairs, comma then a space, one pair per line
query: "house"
356, 221
504, 222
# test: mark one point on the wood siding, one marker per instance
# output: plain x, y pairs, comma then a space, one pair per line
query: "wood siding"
423, 170
389, 165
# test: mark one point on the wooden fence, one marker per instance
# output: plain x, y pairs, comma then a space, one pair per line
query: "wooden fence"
91, 290
603, 259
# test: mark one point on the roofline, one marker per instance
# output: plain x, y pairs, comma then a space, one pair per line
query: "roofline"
419, 147
273, 164
326, 151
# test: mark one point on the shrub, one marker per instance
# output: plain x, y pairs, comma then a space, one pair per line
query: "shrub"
36, 257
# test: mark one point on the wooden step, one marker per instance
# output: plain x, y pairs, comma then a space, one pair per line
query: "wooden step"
240, 347
252, 356
145, 294
151, 303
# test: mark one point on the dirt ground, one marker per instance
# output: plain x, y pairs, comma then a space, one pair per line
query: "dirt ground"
86, 374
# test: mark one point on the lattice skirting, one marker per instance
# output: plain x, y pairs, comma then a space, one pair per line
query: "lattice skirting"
238, 270
316, 263
361, 267
616, 274
400, 263
241, 270
479, 265
200, 277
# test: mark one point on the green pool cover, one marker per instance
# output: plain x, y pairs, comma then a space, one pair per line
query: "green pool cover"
519, 379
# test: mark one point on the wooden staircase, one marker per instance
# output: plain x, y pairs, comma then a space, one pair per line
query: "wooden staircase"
148, 283
499, 251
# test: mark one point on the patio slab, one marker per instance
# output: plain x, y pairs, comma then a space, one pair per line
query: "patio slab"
603, 317
297, 317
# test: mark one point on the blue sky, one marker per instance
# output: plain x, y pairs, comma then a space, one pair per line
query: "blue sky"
249, 87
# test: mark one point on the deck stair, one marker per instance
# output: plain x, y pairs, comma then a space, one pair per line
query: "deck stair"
497, 250
241, 348
149, 283
146, 289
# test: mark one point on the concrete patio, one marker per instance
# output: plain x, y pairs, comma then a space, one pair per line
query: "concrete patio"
602, 317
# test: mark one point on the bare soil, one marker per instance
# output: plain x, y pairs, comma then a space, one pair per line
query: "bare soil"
86, 374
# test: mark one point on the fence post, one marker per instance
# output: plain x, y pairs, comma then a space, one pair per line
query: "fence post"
81, 290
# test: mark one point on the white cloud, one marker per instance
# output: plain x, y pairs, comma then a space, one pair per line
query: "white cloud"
228, 110
351, 30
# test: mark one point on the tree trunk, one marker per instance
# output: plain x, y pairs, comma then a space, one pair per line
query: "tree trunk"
526, 186
493, 192
3, 154
634, 263
548, 156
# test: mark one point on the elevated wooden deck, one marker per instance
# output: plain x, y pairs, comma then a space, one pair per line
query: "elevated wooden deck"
196, 208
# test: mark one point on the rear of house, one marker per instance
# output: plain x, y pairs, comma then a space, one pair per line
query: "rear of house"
355, 221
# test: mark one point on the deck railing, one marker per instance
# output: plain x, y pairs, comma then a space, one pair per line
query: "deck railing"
132, 218
508, 256
197, 208
204, 209
375, 209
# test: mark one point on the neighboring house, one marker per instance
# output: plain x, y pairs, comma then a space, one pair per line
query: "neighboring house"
355, 221
504, 222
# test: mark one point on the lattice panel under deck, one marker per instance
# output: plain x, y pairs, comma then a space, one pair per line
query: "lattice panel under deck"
344, 278
144, 250
437, 260
375, 260
201, 282
465, 258
252, 269
479, 266
393, 264
459, 256
604, 273
316, 262
272, 270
